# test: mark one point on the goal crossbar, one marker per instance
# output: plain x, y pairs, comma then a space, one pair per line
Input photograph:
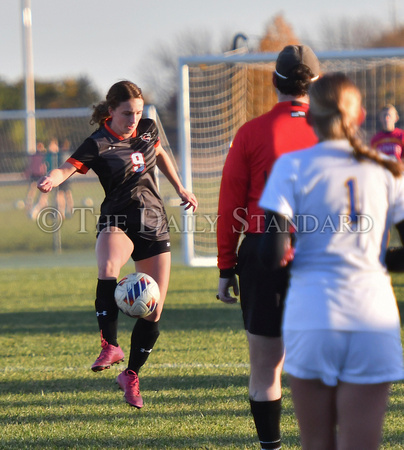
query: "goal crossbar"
218, 93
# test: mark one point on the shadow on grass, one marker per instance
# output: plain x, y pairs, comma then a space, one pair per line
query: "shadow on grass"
190, 408
99, 382
217, 317
75, 396
206, 442
82, 321
401, 309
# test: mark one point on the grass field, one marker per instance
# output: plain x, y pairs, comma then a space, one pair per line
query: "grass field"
194, 385
20, 234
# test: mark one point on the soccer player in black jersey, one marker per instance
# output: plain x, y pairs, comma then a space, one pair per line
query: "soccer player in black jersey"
124, 152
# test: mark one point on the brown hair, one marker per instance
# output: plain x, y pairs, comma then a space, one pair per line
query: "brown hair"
297, 83
389, 106
118, 93
336, 113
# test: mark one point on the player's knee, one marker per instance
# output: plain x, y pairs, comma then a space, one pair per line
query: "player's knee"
108, 269
269, 361
155, 315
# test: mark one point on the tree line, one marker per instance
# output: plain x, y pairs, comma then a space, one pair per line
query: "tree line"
66, 93
160, 87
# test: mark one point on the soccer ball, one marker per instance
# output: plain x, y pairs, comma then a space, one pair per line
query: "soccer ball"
137, 295
88, 201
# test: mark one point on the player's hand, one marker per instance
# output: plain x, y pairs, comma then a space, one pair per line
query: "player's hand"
289, 254
45, 184
223, 291
188, 199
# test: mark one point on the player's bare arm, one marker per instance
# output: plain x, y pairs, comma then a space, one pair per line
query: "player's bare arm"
56, 177
166, 166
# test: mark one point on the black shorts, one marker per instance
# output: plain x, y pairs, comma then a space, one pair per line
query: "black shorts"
261, 296
143, 248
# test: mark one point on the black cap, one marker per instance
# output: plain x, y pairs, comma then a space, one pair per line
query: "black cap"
294, 55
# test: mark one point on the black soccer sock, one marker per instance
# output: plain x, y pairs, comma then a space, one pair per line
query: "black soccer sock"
107, 311
267, 417
144, 336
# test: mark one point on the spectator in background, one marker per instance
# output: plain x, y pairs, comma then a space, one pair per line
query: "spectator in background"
51, 162
390, 140
64, 196
52, 157
35, 170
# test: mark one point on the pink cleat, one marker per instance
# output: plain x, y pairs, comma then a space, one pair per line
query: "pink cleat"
129, 383
109, 356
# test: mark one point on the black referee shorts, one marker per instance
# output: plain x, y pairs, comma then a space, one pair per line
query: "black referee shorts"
262, 293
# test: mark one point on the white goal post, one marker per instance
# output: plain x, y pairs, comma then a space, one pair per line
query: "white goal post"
218, 93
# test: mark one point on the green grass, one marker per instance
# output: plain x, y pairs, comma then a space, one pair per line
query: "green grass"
21, 234
194, 384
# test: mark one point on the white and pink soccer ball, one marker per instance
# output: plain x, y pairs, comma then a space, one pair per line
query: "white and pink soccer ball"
137, 295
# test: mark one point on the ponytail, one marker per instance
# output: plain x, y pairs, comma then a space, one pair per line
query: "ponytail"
100, 114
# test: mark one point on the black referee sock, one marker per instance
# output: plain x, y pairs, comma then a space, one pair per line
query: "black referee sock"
144, 336
267, 417
107, 311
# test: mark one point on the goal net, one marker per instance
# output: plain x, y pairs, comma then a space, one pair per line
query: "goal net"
65, 129
70, 125
220, 93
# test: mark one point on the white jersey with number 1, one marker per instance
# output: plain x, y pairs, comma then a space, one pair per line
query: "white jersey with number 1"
342, 210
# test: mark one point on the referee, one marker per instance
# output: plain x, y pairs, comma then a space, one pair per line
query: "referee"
256, 146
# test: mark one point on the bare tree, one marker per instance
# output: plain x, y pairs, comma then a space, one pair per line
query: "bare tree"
347, 33
160, 77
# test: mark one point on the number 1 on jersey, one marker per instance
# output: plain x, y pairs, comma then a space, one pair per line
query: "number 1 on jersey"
352, 200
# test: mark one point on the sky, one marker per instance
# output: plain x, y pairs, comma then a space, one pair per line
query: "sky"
110, 40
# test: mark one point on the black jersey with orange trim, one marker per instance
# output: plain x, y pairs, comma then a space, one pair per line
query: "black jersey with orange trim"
126, 170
